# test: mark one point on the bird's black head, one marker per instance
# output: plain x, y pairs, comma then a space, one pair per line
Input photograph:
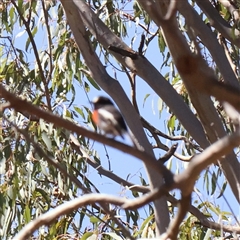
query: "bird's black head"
101, 101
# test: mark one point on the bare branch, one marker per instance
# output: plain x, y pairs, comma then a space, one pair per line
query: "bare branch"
49, 41
210, 155
77, 146
169, 154
66, 208
227, 51
154, 130
173, 228
199, 79
208, 38
141, 45
219, 23
123, 52
131, 18
149, 197
22, 105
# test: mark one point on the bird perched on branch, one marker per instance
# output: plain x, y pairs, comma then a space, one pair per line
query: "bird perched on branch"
107, 117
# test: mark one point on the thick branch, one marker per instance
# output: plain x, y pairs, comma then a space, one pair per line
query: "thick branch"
209, 40
199, 79
20, 105
143, 68
210, 155
80, 10
219, 23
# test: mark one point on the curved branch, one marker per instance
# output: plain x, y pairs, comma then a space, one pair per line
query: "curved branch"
66, 208
154, 130
77, 146
210, 155
22, 105
172, 230
200, 81
209, 40
219, 23
142, 67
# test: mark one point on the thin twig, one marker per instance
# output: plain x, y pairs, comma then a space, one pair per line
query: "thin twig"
49, 42
66, 208
102, 171
132, 18
22, 105
36, 54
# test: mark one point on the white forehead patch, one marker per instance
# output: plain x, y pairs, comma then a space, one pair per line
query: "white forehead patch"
95, 99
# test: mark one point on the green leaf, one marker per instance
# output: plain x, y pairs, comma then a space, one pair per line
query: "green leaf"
161, 42
34, 31
94, 220
47, 141
113, 235
145, 98
160, 106
206, 181
27, 214
93, 83
80, 111
144, 226
87, 235
214, 183
222, 189
171, 124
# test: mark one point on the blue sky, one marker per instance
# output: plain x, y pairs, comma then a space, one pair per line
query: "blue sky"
122, 164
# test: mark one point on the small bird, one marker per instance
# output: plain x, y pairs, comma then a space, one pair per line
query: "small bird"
107, 117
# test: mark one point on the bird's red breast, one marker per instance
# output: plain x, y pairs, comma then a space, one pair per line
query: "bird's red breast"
95, 117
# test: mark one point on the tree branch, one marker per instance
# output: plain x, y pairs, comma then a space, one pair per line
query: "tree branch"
143, 68
77, 146
66, 208
219, 23
20, 105
208, 38
200, 79
47, 95
210, 155
173, 228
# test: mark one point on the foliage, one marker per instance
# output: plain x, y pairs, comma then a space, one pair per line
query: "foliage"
41, 63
